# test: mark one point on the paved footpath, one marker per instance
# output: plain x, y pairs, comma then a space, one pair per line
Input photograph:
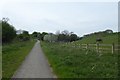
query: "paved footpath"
35, 65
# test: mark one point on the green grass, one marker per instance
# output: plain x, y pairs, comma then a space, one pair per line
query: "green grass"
107, 39
73, 62
12, 56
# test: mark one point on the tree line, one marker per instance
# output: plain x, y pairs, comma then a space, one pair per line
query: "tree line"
63, 36
9, 34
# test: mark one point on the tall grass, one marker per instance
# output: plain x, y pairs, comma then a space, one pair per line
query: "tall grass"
72, 62
12, 56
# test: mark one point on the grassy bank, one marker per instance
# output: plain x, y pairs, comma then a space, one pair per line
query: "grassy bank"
107, 39
70, 62
12, 56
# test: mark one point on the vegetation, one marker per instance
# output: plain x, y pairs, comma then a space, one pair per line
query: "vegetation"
64, 36
24, 36
8, 32
38, 35
12, 56
73, 62
42, 35
69, 61
35, 34
106, 38
15, 48
50, 37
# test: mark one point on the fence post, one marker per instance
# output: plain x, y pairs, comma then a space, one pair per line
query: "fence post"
86, 46
113, 48
97, 47
81, 46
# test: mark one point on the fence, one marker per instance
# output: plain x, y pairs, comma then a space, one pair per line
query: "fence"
100, 47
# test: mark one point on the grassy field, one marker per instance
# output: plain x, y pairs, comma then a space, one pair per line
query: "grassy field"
12, 56
72, 62
107, 39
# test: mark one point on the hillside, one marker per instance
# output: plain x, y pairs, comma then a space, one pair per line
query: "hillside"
71, 60
106, 38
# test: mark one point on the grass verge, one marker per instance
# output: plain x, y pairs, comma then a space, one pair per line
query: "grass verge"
12, 56
70, 62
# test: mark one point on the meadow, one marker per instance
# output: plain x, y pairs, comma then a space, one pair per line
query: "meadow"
107, 39
74, 62
69, 62
13, 55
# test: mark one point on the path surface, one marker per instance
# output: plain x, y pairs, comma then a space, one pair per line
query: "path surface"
35, 65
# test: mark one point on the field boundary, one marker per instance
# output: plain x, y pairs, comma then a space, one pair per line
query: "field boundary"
112, 48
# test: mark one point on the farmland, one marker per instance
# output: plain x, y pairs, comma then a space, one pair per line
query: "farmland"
74, 62
107, 39
12, 56
68, 62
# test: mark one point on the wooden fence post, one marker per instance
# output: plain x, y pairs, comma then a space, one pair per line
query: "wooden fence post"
81, 46
113, 48
86, 46
97, 47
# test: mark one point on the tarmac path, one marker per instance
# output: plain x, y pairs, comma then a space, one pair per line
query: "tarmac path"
35, 65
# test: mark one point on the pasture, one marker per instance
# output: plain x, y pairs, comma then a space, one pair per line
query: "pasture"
74, 62
99, 48
12, 56
107, 39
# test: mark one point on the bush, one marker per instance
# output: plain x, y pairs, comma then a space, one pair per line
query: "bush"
24, 36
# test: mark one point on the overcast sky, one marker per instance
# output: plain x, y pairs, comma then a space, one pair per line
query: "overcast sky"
80, 17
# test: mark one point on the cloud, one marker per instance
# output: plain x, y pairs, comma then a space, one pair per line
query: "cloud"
73, 16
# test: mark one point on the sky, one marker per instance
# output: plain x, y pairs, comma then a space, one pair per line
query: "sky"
78, 16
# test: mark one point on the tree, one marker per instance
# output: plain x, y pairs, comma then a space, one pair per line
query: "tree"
35, 34
64, 36
108, 31
39, 36
50, 37
67, 36
57, 32
26, 32
24, 36
65, 32
42, 35
61, 37
73, 37
8, 32
46, 38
